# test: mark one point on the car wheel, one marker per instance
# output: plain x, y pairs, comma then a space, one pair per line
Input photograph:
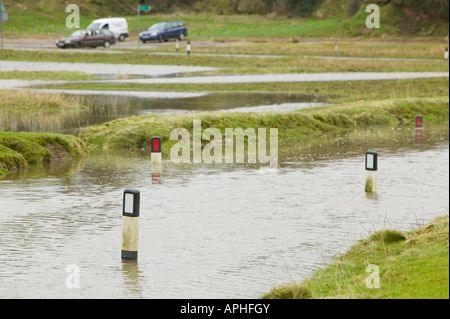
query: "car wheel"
143, 41
77, 45
121, 38
181, 37
161, 38
107, 44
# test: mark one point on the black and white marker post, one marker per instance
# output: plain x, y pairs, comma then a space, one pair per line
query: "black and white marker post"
156, 158
130, 223
372, 172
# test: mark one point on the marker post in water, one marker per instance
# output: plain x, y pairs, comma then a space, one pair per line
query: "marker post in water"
156, 158
130, 223
372, 172
419, 127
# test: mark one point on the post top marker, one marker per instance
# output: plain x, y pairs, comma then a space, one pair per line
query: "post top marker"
156, 144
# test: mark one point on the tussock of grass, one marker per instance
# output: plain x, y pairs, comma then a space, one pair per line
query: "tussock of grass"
19, 150
413, 265
293, 291
388, 236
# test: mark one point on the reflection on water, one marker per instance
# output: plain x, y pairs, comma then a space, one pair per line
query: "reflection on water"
101, 108
212, 231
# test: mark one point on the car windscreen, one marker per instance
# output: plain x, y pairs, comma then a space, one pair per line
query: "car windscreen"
93, 26
78, 33
157, 26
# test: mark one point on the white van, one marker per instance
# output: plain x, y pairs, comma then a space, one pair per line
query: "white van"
117, 26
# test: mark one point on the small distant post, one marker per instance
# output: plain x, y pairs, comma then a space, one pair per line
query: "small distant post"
177, 45
156, 158
419, 128
446, 54
371, 172
336, 48
188, 47
419, 122
130, 223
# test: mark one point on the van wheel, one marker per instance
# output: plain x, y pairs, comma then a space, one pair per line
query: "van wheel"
121, 38
107, 44
181, 37
161, 38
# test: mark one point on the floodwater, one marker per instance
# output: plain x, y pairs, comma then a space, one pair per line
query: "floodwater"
211, 231
106, 106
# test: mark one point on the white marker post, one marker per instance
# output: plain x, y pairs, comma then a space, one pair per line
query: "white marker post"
130, 224
156, 158
372, 172
336, 48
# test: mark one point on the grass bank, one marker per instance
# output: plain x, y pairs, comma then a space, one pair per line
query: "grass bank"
133, 134
413, 265
18, 150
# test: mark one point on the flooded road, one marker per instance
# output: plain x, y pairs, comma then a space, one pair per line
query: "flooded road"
211, 231
101, 68
292, 77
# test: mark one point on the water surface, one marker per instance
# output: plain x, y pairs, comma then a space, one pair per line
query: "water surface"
211, 231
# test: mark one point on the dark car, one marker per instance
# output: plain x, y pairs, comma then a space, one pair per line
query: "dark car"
90, 38
163, 31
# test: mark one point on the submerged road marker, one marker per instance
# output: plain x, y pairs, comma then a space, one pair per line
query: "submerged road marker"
130, 223
372, 172
419, 128
156, 158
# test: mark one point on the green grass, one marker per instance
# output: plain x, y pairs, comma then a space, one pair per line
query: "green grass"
43, 20
333, 92
19, 150
414, 265
133, 134
346, 48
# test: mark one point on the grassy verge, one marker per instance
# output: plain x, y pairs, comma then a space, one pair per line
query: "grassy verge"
18, 150
346, 48
414, 265
133, 134
229, 64
333, 92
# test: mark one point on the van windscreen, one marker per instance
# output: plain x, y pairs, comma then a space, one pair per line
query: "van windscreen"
93, 26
